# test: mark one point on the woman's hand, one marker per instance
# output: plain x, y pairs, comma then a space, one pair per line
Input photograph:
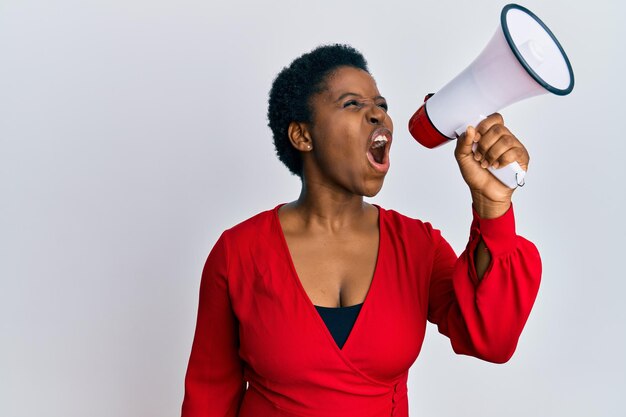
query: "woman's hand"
497, 147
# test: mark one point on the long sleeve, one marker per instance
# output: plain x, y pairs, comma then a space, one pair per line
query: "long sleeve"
484, 318
214, 384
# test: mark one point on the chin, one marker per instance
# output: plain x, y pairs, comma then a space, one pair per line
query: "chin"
372, 190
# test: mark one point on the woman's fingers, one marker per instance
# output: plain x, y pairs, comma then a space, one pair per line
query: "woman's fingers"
502, 145
465, 142
486, 124
509, 156
489, 137
497, 145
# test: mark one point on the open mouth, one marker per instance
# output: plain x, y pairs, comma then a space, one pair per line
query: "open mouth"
378, 151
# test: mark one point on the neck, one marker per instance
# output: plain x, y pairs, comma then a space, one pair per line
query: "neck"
323, 207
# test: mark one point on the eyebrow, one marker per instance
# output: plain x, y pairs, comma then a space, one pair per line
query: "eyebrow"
344, 95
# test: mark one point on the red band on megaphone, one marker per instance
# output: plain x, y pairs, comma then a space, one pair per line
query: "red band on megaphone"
423, 130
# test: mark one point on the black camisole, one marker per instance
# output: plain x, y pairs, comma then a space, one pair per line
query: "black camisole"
339, 321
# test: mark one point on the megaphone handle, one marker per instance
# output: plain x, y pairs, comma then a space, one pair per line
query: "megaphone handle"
511, 175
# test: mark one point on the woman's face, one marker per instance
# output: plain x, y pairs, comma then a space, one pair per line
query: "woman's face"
351, 133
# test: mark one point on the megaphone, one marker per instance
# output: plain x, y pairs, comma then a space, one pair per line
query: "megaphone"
523, 59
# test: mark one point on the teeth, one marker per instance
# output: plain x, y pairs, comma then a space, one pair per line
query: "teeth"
379, 141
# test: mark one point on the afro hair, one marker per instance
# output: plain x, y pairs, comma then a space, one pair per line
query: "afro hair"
292, 89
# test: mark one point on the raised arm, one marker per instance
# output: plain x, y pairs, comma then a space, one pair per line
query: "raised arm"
483, 299
485, 317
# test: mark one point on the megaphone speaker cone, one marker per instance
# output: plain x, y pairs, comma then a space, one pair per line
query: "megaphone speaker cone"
537, 49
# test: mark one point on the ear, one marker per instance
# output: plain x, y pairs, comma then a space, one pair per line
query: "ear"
299, 136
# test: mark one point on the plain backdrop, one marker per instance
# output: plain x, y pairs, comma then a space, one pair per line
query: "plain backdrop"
133, 132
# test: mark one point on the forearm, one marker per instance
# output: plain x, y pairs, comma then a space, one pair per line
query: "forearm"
482, 258
486, 209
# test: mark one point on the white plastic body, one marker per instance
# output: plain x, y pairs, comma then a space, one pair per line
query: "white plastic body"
496, 78
493, 81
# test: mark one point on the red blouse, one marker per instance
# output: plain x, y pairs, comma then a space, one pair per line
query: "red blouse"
256, 323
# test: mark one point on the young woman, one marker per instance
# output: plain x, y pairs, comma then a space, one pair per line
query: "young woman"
320, 305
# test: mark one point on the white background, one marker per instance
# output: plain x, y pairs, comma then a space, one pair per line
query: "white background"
133, 132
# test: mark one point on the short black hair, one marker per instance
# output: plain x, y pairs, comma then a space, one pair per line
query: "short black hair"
292, 89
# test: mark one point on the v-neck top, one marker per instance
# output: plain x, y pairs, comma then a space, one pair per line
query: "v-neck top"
339, 320
256, 324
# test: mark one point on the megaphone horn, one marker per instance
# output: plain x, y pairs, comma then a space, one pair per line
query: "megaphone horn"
523, 59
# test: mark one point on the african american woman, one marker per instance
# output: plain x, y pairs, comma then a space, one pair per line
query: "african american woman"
318, 307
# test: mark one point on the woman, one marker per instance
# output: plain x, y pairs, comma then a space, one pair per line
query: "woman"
321, 304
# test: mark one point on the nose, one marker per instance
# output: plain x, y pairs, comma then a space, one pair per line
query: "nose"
376, 115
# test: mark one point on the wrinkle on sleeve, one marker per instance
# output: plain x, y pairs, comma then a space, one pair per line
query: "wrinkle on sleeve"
214, 384
485, 318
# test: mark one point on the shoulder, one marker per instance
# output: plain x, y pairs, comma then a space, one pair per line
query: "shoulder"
253, 227
400, 223
247, 237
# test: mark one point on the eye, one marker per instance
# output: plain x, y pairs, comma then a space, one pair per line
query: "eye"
351, 103
383, 105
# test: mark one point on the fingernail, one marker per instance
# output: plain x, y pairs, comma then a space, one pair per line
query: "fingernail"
484, 164
478, 156
495, 164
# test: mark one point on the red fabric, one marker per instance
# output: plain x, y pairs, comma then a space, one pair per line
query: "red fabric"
256, 323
